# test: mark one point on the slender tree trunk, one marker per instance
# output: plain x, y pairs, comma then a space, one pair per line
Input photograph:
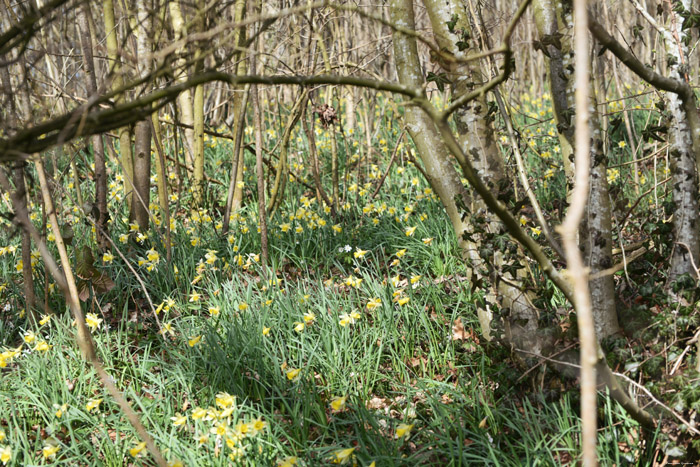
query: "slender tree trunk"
198, 113
496, 270
115, 70
142, 131
97, 144
238, 99
185, 97
595, 233
686, 249
262, 213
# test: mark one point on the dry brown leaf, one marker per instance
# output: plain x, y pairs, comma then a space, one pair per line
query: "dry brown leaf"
458, 331
376, 403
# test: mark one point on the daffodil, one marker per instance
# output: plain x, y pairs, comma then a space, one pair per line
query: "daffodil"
45, 319
214, 311
403, 430
299, 326
29, 337
6, 454
60, 410
242, 306
338, 403
309, 318
92, 321
152, 255
219, 428
194, 340
179, 419
93, 404
49, 451
167, 328
198, 413
288, 462
265, 331
136, 450
359, 253
402, 300
342, 456
258, 425
410, 231
374, 303
42, 346
225, 400
293, 374
428, 240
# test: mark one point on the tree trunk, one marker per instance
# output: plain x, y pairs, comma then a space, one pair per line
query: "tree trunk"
238, 98
142, 131
97, 145
686, 249
595, 233
115, 71
184, 99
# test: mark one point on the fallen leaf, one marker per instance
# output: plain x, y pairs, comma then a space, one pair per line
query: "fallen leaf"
458, 331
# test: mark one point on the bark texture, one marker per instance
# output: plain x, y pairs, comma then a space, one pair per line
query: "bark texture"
555, 30
142, 131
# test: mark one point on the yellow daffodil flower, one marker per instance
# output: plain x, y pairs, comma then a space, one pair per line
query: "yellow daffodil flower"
93, 404
194, 340
92, 321
338, 403
136, 450
403, 430
342, 456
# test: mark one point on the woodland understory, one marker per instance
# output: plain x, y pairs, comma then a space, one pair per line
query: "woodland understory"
288, 233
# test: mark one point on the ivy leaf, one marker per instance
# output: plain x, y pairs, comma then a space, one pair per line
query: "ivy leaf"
654, 132
452, 23
439, 79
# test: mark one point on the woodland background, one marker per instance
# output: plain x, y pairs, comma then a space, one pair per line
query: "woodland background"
392, 233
